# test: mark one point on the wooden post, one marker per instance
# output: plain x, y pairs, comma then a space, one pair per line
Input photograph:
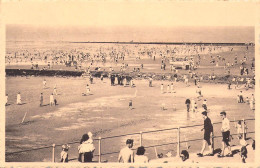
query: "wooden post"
53, 152
156, 154
212, 145
24, 117
99, 151
243, 129
141, 138
178, 142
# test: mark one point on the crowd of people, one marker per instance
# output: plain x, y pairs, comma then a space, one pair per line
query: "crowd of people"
88, 57
92, 56
127, 154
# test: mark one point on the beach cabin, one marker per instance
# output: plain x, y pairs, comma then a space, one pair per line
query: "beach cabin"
182, 62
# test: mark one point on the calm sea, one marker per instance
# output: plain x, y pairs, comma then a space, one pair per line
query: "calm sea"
126, 34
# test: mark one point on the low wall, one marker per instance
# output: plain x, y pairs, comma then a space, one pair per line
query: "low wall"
30, 72
134, 75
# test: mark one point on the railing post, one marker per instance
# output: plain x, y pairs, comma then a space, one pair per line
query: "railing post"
212, 145
99, 150
53, 152
243, 129
141, 138
178, 142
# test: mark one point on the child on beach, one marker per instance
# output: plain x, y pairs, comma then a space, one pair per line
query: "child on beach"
150, 81
132, 83
204, 105
239, 129
101, 77
130, 105
247, 100
44, 83
199, 92
64, 153
87, 90
55, 102
243, 150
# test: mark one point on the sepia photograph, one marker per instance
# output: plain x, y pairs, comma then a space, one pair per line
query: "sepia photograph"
139, 82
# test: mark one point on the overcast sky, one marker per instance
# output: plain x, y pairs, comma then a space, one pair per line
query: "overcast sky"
130, 13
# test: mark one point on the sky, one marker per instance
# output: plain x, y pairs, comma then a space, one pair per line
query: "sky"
130, 13
129, 20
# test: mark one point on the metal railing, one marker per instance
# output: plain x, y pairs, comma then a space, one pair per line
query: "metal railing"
178, 135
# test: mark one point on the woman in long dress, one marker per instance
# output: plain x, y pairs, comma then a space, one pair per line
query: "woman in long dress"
19, 99
52, 100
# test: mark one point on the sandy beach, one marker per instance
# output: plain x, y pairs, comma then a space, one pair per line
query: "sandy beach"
106, 113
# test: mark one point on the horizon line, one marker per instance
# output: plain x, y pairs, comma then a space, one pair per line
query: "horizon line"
141, 42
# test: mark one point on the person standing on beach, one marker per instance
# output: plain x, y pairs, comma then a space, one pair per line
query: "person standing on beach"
19, 99
204, 105
241, 99
126, 154
115, 80
162, 89
52, 100
112, 80
252, 102
172, 89
199, 92
91, 79
187, 102
55, 90
130, 105
168, 88
186, 80
44, 83
87, 90
208, 129
225, 129
150, 82
41, 100
175, 77
229, 85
